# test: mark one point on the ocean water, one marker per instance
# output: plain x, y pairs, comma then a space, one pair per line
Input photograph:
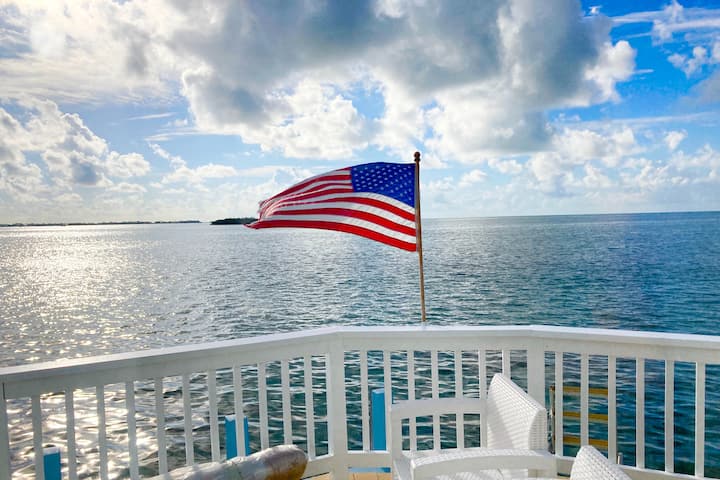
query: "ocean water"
78, 291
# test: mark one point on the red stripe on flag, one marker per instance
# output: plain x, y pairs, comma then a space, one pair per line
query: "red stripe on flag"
340, 227
359, 214
342, 175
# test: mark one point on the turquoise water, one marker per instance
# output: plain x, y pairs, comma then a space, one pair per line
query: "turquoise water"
76, 291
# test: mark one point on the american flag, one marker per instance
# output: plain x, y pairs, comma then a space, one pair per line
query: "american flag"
374, 200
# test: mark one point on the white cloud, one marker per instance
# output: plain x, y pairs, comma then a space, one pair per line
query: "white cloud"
616, 63
675, 19
402, 124
192, 176
552, 174
51, 153
124, 187
469, 127
703, 166
122, 47
674, 138
607, 145
154, 116
686, 27
668, 22
212, 170
471, 178
508, 167
695, 63
126, 166
594, 178
708, 91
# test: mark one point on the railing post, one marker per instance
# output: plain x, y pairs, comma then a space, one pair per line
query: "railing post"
231, 446
377, 419
51, 459
4, 437
700, 419
536, 371
336, 408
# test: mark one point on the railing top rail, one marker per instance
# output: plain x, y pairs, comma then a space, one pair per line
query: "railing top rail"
540, 331
165, 355
550, 336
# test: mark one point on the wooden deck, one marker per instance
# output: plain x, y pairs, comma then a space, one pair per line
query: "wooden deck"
359, 476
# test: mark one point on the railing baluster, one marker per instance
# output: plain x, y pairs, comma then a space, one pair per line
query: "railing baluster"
187, 413
160, 422
387, 385
640, 412
669, 416
239, 411
70, 432
482, 387
536, 372
435, 382
337, 409
213, 414
584, 398
286, 406
411, 396
102, 434
5, 471
506, 354
460, 420
559, 408
612, 408
700, 419
37, 437
482, 373
262, 398
309, 407
459, 393
364, 400
132, 432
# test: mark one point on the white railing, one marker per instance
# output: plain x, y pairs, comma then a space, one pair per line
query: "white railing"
141, 413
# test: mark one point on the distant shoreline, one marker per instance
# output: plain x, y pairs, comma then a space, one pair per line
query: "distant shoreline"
83, 224
234, 221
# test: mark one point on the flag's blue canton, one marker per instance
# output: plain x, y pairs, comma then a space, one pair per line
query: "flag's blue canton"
395, 180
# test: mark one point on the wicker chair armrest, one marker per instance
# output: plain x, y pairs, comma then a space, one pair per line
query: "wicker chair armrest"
435, 406
473, 460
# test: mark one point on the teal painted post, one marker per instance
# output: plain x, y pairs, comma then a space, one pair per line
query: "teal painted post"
377, 420
230, 439
51, 462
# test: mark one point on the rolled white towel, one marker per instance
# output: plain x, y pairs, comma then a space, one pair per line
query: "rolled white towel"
283, 462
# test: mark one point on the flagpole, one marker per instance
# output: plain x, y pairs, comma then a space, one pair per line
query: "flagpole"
418, 233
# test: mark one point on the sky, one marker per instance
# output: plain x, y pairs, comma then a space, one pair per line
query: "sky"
161, 110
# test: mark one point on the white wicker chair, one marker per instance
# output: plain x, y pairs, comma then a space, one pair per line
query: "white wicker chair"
516, 437
590, 464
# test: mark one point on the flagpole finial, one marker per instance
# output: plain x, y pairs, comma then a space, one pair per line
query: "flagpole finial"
417, 157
